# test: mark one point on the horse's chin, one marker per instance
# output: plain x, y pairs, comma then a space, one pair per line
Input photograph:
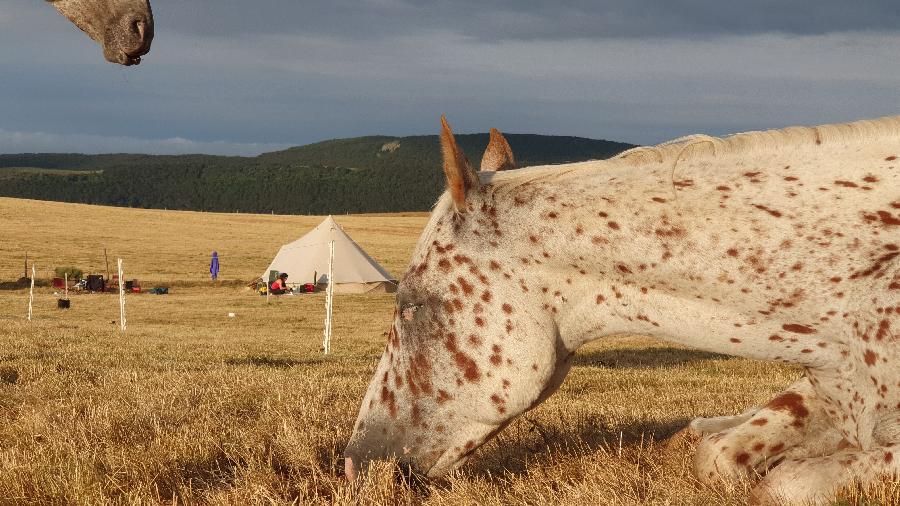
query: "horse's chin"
123, 58
447, 462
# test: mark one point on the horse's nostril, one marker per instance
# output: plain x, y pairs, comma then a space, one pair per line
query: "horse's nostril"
139, 26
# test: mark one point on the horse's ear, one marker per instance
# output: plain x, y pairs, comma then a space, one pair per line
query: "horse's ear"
498, 155
460, 176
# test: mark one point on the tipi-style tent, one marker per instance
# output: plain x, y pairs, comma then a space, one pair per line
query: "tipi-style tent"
354, 270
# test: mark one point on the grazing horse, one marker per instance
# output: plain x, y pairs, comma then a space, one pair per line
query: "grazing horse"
124, 28
779, 245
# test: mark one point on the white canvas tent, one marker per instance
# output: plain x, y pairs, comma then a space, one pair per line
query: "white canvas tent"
354, 270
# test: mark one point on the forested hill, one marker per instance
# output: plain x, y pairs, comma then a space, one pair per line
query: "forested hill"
364, 174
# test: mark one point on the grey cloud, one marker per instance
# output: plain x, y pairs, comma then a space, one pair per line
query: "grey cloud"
526, 19
231, 73
497, 20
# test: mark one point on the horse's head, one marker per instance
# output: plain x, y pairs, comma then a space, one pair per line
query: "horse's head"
469, 349
123, 27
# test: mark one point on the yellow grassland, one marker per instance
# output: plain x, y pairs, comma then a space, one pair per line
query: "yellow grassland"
189, 406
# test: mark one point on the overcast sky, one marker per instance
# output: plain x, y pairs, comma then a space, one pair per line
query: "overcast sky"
244, 77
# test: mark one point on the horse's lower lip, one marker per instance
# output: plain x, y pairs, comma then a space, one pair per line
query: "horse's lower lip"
127, 55
128, 60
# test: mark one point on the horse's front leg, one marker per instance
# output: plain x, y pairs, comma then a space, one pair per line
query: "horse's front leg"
793, 424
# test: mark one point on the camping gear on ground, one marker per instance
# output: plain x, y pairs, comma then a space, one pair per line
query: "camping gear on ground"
95, 283
58, 283
135, 286
158, 290
304, 288
214, 266
354, 270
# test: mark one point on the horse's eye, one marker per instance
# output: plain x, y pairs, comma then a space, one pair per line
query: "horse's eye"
408, 311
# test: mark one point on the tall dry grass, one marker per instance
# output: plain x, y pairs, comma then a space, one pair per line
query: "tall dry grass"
189, 406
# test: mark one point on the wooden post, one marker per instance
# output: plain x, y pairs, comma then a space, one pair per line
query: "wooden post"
107, 264
67, 285
31, 293
121, 297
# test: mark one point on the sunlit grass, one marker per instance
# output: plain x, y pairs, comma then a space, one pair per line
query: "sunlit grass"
190, 406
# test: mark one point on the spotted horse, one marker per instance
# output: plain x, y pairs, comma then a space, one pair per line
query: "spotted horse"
780, 245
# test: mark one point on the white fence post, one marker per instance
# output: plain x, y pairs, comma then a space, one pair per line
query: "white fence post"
121, 297
329, 299
31, 293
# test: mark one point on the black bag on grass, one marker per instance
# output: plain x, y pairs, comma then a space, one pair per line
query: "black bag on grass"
95, 283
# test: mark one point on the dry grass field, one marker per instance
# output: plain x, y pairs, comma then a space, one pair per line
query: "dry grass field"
189, 406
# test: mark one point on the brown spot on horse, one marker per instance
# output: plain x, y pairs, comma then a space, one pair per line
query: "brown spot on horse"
798, 329
792, 403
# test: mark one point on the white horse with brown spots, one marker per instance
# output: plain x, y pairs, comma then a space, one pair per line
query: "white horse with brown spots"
123, 27
779, 245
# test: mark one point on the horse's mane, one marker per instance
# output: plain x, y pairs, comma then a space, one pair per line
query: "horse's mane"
696, 147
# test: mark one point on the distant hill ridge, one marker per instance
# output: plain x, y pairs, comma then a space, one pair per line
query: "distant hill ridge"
357, 175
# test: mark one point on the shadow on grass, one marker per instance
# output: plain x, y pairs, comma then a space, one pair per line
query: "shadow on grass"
273, 362
646, 357
183, 479
9, 375
534, 443
523, 446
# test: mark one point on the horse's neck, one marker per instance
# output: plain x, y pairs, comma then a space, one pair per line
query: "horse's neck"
614, 254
